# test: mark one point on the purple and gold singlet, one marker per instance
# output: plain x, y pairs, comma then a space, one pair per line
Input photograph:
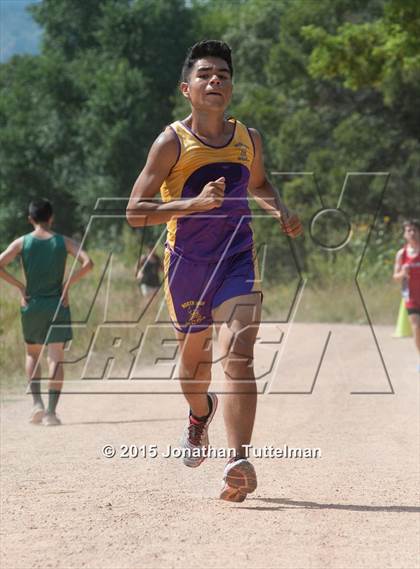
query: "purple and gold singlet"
209, 255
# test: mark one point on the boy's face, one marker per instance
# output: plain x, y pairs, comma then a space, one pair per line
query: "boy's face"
411, 233
209, 86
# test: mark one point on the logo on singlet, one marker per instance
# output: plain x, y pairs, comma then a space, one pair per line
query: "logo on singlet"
243, 148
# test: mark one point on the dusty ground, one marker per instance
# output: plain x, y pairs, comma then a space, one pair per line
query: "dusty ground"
66, 506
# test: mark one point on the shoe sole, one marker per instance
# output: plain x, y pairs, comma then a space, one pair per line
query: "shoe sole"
195, 463
37, 417
239, 481
52, 424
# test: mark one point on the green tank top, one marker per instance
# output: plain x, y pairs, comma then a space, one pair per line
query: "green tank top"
44, 263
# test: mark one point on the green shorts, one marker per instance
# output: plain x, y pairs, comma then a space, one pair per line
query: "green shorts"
38, 317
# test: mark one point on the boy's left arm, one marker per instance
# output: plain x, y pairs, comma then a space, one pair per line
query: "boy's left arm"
12, 251
83, 258
266, 195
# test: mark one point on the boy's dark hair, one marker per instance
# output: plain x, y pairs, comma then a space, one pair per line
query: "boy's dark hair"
40, 210
206, 48
414, 222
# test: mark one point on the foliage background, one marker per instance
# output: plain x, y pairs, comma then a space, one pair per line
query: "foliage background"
332, 85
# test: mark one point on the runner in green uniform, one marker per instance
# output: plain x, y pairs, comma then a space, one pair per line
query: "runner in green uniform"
44, 302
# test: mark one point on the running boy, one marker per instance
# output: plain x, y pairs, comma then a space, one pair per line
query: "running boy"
407, 271
147, 273
43, 254
203, 167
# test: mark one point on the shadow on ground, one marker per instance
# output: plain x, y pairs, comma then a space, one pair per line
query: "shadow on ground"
286, 504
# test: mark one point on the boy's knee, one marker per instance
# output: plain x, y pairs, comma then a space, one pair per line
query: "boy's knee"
239, 366
54, 361
194, 370
55, 354
243, 341
32, 351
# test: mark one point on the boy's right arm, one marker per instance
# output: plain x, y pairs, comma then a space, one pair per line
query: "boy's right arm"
139, 267
12, 251
400, 271
143, 209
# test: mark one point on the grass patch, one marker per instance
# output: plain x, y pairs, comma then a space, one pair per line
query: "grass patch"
109, 297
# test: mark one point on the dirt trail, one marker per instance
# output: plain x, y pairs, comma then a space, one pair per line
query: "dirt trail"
66, 506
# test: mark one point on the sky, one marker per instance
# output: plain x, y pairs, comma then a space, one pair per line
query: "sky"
18, 31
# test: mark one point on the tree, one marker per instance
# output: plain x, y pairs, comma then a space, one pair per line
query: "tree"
378, 61
99, 93
29, 145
